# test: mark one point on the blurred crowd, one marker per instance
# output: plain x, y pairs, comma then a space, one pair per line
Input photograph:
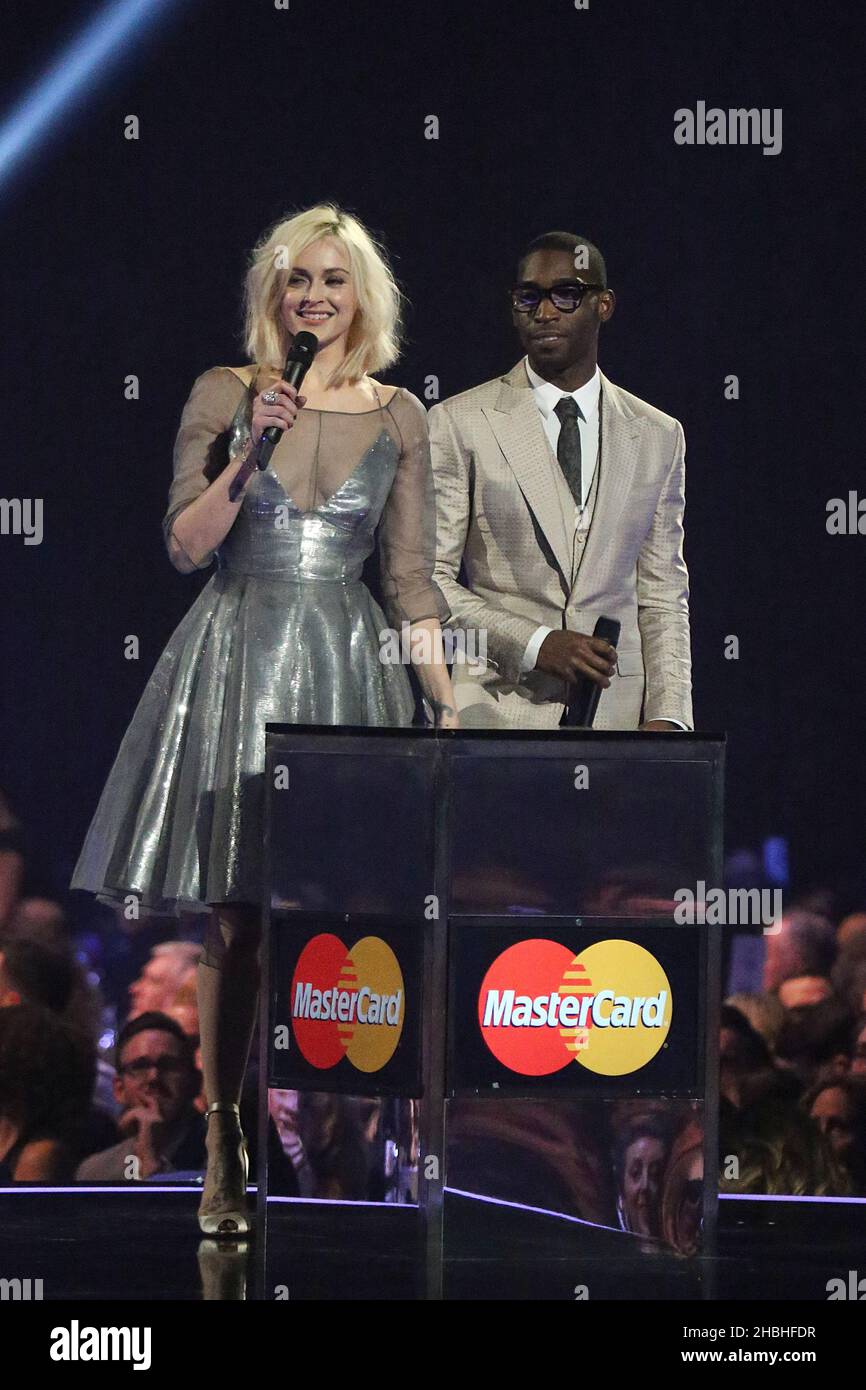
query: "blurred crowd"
100, 1076
793, 1058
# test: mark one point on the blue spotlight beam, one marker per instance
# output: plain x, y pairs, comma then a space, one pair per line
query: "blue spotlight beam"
72, 75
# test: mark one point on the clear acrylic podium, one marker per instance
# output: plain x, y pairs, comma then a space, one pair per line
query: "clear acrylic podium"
476, 931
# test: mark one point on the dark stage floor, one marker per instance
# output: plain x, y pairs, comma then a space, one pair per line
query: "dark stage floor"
142, 1244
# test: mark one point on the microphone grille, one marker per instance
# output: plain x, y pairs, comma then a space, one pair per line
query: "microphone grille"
304, 347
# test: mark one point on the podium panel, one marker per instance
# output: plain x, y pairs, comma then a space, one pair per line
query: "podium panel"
560, 1008
473, 967
584, 826
350, 823
626, 1175
346, 1007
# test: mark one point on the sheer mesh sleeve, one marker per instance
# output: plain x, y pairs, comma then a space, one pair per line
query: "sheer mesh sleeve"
201, 447
407, 531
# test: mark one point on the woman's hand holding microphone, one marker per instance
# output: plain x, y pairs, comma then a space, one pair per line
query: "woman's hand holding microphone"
275, 407
278, 405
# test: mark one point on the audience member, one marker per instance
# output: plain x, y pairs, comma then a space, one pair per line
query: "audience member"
184, 1008
849, 976
172, 964
851, 932
329, 1128
34, 974
805, 944
683, 1190
745, 1061
773, 1148
156, 1086
41, 920
801, 990
763, 1011
816, 1038
11, 860
838, 1107
858, 1047
46, 1079
640, 1155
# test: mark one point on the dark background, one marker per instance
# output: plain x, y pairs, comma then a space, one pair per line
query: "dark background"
127, 257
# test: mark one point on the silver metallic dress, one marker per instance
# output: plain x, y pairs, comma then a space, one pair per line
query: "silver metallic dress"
285, 630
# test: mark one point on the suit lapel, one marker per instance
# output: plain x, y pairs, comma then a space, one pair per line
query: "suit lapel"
517, 425
622, 433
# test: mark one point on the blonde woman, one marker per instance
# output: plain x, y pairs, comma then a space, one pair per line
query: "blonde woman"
284, 631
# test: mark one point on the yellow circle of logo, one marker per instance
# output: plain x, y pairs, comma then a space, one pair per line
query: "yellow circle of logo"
371, 1041
630, 1015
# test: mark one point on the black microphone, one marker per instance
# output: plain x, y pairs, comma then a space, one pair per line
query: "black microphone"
300, 355
583, 703
298, 359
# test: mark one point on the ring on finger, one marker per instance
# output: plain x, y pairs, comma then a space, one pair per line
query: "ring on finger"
270, 397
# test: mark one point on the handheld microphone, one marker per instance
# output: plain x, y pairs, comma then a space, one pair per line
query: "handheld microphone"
300, 355
298, 359
581, 707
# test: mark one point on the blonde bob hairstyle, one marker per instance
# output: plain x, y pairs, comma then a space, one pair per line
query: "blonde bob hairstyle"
373, 341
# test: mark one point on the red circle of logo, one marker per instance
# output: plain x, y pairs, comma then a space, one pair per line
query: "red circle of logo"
514, 1006
324, 964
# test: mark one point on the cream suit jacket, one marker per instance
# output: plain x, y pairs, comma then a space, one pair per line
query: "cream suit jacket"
508, 559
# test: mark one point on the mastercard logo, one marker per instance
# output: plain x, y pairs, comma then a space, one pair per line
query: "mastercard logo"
608, 1009
347, 1003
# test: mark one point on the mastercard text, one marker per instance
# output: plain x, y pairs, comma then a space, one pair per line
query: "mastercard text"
347, 1005
507, 1009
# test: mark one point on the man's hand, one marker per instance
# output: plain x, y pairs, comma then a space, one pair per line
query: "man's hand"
145, 1125
572, 655
660, 726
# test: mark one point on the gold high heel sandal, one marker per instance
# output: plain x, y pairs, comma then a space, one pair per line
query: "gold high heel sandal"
231, 1218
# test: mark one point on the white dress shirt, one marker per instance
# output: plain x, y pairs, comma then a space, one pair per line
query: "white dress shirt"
547, 398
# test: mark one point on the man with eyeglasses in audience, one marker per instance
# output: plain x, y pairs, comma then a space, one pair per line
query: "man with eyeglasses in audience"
156, 1085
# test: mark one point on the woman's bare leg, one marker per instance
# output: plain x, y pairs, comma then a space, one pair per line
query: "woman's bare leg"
228, 985
228, 988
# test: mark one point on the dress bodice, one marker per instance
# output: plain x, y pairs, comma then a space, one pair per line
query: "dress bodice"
273, 535
336, 485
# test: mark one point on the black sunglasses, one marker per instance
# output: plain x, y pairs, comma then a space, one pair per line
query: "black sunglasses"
566, 296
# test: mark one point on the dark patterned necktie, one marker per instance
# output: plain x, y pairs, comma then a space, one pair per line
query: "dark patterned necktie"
568, 445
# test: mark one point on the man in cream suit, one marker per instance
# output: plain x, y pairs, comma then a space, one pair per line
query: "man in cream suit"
560, 500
